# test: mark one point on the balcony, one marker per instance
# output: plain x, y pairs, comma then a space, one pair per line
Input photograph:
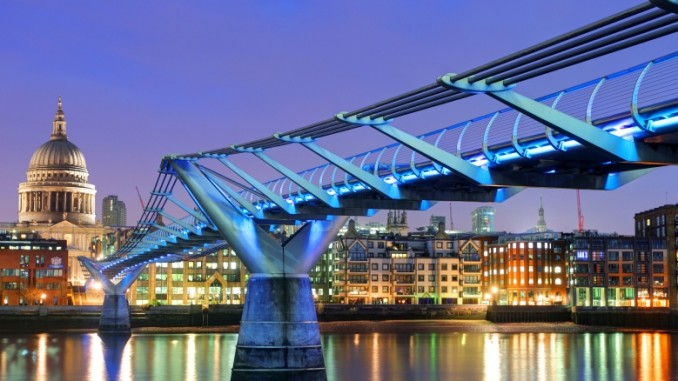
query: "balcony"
358, 269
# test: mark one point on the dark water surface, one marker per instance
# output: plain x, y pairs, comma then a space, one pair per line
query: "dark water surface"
353, 357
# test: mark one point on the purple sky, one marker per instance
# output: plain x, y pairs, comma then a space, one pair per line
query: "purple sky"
144, 79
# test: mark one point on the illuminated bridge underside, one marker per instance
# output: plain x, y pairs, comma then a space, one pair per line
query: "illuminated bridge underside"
601, 135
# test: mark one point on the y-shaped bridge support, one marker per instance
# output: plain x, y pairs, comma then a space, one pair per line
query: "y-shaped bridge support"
279, 336
115, 310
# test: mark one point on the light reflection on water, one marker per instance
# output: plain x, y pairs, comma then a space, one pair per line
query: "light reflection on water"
354, 357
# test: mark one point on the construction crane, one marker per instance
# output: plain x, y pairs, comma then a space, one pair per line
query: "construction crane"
141, 200
580, 215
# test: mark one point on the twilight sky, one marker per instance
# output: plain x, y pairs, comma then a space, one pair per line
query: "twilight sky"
143, 79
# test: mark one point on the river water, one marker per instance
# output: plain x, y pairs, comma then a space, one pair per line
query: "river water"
353, 357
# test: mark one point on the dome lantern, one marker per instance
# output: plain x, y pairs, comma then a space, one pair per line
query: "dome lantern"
59, 124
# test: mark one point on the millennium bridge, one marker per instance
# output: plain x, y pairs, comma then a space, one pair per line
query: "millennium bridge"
598, 135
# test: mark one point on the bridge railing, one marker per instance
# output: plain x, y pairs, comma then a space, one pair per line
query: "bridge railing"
499, 136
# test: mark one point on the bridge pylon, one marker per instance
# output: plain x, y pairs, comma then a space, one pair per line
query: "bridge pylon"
115, 316
279, 334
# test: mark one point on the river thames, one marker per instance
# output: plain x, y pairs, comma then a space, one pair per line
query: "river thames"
362, 356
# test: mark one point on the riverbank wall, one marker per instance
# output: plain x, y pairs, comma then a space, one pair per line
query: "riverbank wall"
528, 314
54, 318
627, 317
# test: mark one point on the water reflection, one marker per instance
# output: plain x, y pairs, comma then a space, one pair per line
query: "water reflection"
493, 356
112, 354
355, 357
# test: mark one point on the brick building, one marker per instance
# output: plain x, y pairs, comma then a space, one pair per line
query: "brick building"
33, 270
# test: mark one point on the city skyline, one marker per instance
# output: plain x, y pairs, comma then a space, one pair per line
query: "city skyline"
139, 85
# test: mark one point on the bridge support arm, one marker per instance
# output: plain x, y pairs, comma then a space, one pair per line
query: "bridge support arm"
115, 316
587, 134
255, 247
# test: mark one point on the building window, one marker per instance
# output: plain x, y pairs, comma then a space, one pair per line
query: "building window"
420, 266
443, 278
420, 278
627, 255
375, 266
375, 278
657, 255
384, 266
432, 266
384, 278
439, 245
384, 289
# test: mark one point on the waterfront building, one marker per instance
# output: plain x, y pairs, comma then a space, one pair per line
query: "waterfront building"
520, 270
396, 269
482, 220
619, 271
113, 211
58, 202
33, 270
217, 278
662, 224
424, 267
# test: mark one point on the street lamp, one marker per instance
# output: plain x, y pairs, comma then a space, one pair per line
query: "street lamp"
42, 298
494, 294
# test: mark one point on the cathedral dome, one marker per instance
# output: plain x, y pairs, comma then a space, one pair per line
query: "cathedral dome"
58, 154
56, 187
58, 159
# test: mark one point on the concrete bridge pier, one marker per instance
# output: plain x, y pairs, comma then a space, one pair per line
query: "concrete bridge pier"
279, 334
115, 316
279, 337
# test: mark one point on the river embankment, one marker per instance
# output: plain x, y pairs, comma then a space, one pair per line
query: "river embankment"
341, 318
